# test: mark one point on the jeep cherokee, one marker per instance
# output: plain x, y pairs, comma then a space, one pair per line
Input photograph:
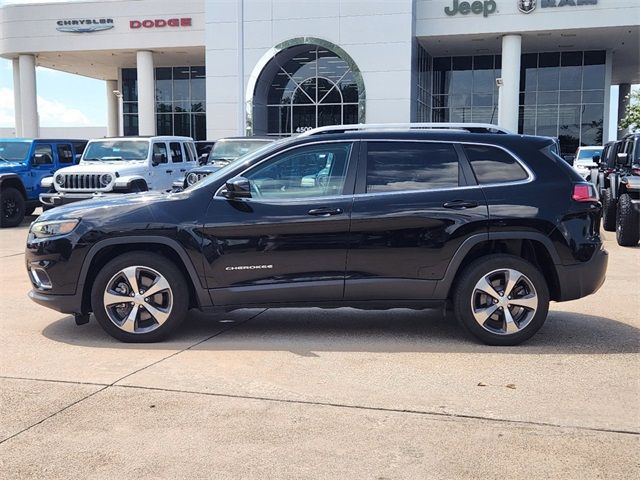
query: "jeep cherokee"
493, 224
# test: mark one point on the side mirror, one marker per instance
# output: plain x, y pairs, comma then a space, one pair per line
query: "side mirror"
158, 158
621, 158
237, 187
596, 158
42, 159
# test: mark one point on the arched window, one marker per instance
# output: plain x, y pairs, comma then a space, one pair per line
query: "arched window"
307, 86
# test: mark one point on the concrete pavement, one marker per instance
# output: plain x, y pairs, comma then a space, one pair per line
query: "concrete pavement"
321, 393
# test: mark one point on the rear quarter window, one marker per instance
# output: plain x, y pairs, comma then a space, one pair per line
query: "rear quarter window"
494, 165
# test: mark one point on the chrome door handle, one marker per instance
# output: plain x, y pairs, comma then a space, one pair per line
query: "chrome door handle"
460, 204
325, 211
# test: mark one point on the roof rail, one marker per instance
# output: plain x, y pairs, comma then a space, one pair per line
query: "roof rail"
466, 127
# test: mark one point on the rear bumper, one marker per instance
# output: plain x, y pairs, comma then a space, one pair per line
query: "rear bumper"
577, 281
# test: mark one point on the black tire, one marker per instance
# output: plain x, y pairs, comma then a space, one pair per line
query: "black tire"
178, 291
465, 293
627, 222
12, 206
138, 187
608, 211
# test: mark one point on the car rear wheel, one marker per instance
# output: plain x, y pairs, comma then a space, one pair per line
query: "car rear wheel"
139, 297
12, 206
627, 223
608, 211
501, 299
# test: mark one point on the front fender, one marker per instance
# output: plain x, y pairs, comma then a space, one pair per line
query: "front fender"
125, 182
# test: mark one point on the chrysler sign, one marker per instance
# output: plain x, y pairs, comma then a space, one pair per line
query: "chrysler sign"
84, 25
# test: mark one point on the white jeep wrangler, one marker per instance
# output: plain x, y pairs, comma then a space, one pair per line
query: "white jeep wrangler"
121, 165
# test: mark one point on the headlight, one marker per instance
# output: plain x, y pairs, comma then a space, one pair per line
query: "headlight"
60, 180
54, 227
105, 179
192, 178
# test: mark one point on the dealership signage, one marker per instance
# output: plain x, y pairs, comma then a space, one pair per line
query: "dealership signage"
528, 6
564, 3
160, 23
84, 25
478, 7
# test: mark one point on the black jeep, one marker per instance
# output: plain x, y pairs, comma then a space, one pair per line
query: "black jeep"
367, 216
619, 185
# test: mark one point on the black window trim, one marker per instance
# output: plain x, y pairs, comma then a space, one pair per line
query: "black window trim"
469, 177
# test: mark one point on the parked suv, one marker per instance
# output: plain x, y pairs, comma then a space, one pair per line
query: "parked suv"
121, 165
23, 163
366, 216
223, 152
621, 195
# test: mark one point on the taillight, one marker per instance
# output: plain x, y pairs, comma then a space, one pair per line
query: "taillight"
584, 192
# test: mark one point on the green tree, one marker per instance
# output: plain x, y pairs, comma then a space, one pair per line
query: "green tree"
631, 119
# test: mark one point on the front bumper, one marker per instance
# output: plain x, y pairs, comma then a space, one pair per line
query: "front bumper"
64, 198
577, 281
71, 304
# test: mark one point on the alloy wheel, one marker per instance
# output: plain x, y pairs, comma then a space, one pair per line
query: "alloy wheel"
504, 301
138, 299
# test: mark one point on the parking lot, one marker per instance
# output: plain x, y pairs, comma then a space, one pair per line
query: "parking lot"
321, 393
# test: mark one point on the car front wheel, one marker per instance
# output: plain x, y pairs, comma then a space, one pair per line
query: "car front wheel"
139, 297
12, 207
501, 299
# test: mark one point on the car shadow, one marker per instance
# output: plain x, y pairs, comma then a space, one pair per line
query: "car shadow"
304, 331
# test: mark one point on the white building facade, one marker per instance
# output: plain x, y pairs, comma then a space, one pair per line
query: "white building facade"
214, 68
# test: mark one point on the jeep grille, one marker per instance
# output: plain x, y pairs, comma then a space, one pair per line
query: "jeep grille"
88, 182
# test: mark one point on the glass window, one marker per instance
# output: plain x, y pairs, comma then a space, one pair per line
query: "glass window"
189, 153
116, 150
164, 90
130, 124
129, 85
404, 166
548, 71
592, 122
65, 154
164, 124
198, 88
309, 171
182, 124
160, 153
314, 87
176, 152
493, 165
14, 151
43, 155
199, 126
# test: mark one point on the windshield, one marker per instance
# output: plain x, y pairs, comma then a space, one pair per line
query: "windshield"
588, 154
14, 151
233, 149
224, 171
116, 150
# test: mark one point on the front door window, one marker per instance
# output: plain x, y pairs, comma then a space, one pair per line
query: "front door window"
305, 172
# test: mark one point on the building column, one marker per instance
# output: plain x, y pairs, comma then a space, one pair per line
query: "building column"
113, 109
28, 96
510, 89
146, 93
17, 108
623, 102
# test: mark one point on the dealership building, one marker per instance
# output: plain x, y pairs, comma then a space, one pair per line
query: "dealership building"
214, 68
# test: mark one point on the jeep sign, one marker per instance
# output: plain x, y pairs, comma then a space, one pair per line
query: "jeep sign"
485, 8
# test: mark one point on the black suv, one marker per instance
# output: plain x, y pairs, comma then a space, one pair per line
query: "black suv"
362, 216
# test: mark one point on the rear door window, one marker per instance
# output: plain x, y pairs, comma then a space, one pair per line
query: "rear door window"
65, 154
176, 152
494, 165
407, 166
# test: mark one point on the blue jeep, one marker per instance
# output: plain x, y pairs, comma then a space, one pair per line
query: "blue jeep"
23, 163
